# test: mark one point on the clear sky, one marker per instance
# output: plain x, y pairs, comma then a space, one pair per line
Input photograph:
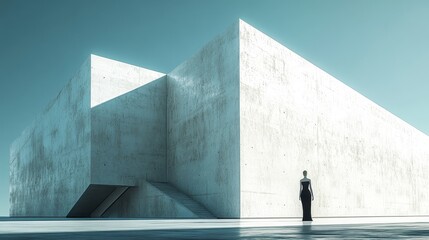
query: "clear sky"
379, 48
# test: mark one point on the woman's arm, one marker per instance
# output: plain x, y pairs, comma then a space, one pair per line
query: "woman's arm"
300, 190
311, 190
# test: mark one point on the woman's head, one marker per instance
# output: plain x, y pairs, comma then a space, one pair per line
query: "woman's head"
304, 173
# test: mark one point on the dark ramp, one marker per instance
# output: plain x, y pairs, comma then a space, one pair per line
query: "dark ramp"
96, 200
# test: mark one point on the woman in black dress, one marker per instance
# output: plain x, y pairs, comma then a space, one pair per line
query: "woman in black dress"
306, 196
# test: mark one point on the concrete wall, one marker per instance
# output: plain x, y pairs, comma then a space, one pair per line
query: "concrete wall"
149, 202
49, 162
128, 131
203, 126
363, 161
233, 127
110, 78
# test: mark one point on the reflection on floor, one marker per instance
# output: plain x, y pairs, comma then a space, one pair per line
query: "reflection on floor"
321, 228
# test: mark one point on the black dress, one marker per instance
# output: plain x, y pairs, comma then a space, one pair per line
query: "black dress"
306, 202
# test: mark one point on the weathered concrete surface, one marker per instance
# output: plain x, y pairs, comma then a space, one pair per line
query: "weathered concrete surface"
203, 126
110, 79
363, 160
128, 133
233, 128
119, 141
50, 161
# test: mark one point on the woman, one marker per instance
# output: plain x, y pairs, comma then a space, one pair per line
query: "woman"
306, 196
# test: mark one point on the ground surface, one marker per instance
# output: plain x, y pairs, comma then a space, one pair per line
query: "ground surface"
214, 229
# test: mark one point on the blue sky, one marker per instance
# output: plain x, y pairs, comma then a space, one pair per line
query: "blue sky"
379, 48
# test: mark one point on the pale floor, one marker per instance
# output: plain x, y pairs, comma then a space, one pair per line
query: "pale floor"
320, 228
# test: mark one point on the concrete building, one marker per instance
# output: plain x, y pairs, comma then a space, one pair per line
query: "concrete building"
226, 134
